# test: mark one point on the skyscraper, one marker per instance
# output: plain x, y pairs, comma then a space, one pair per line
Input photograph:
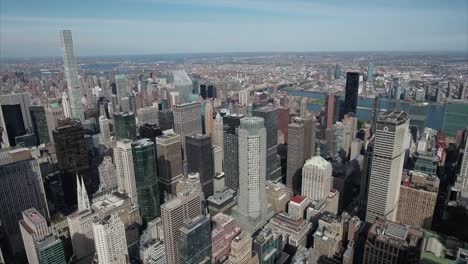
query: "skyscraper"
461, 182
187, 120
200, 159
125, 125
150, 131
110, 241
231, 150
183, 85
337, 73
390, 242
270, 114
72, 155
148, 115
104, 137
387, 165
40, 244
351, 93
418, 196
123, 157
208, 118
166, 119
195, 240
15, 117
121, 87
370, 72
173, 214
39, 124
295, 156
107, 174
332, 109
309, 123
169, 162
21, 188
54, 112
146, 178
316, 178
252, 209
71, 75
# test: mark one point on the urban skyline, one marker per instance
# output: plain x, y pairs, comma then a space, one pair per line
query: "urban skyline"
170, 26
241, 157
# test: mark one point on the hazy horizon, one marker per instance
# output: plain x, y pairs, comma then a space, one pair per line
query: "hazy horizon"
124, 27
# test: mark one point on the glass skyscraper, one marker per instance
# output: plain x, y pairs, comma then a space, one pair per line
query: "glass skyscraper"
146, 177
125, 126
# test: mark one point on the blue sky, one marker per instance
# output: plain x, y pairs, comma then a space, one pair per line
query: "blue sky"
112, 27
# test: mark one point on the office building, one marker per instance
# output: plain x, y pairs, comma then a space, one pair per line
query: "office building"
337, 73
121, 88
327, 237
146, 179
71, 75
148, 115
278, 196
252, 209
200, 159
15, 117
217, 135
295, 156
297, 207
173, 214
110, 241
125, 125
187, 121
294, 230
166, 119
189, 184
370, 72
21, 188
124, 164
39, 124
152, 252
40, 244
150, 131
195, 240
268, 247
270, 114
390, 242
208, 120
50, 250
387, 165
309, 123
231, 150
80, 224
169, 162
418, 196
107, 174
225, 229
332, 108
54, 112
183, 85
461, 182
351, 93
104, 127
241, 250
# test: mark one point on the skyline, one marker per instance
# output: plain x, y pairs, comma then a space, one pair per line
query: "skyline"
30, 29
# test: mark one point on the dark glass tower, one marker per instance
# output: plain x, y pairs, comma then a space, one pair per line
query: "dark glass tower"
146, 179
125, 126
203, 91
351, 93
270, 114
231, 150
200, 159
211, 91
166, 119
150, 131
14, 124
195, 240
72, 155
39, 122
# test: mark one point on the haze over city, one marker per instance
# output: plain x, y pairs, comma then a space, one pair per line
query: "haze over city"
29, 28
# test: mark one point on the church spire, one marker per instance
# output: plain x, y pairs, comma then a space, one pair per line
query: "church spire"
82, 195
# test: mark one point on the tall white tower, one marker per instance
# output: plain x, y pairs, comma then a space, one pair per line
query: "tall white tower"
123, 157
316, 178
110, 241
209, 117
71, 74
387, 165
105, 135
83, 199
252, 209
